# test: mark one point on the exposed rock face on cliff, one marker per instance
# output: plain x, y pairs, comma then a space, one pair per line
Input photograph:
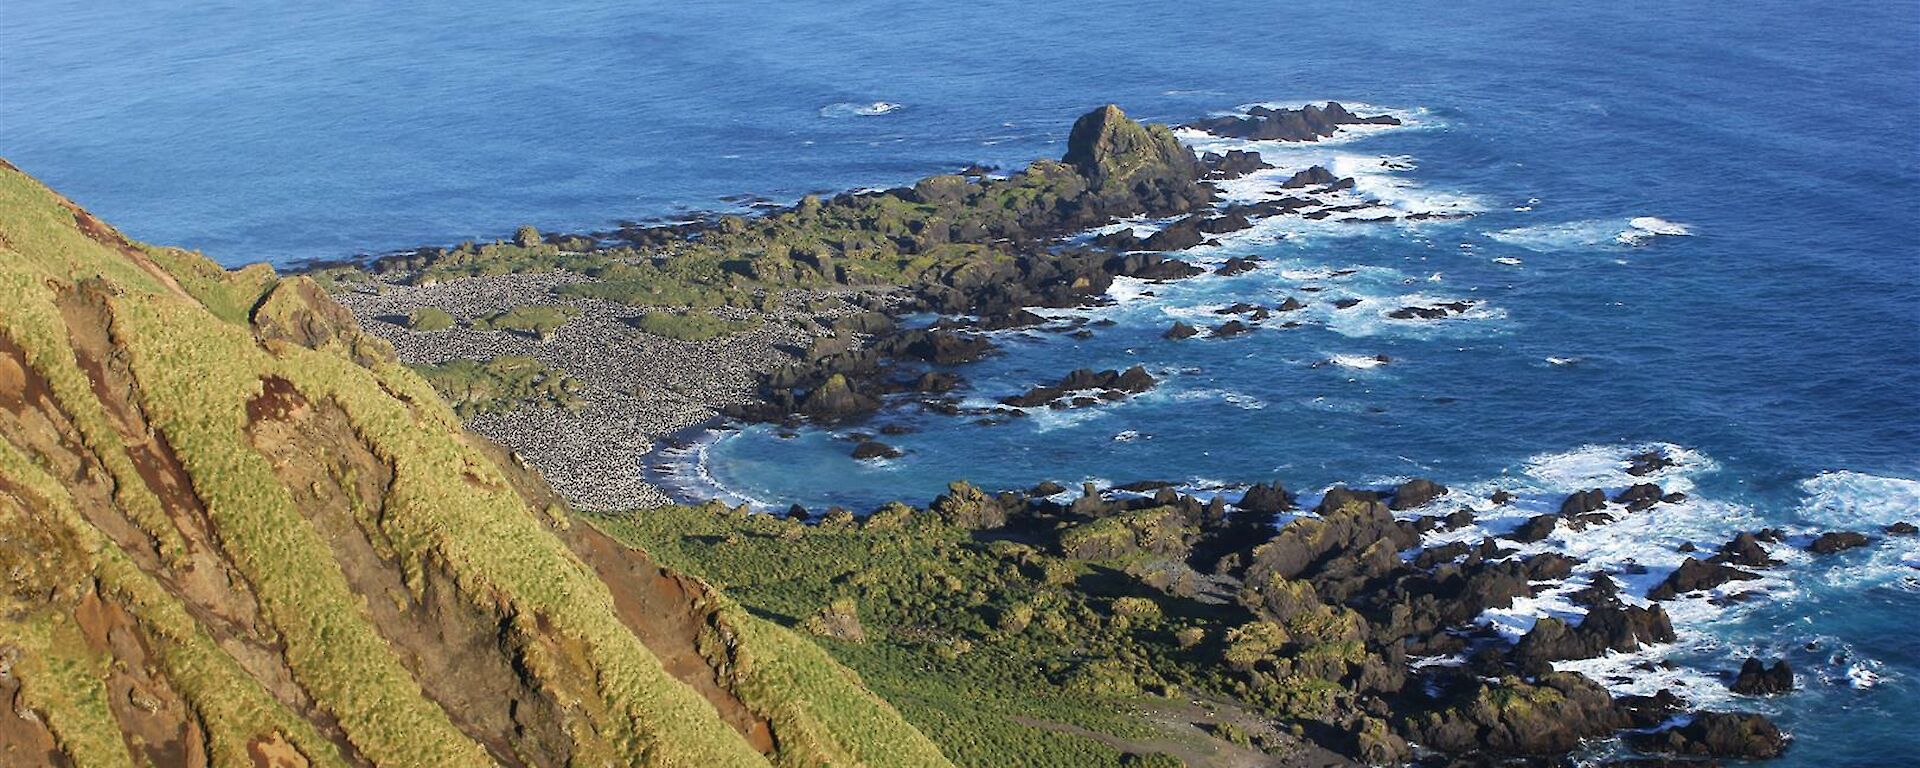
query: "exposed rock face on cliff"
234, 531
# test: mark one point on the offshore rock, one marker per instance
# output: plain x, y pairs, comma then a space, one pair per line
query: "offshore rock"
1757, 679
1308, 123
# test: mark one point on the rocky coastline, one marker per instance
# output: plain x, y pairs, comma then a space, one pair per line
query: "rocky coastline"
1333, 609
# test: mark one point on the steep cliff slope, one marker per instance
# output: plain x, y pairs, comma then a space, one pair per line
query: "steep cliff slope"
233, 531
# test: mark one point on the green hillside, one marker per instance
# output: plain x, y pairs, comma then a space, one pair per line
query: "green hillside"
234, 531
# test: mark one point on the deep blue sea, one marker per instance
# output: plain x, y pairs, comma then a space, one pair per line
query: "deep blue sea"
1774, 349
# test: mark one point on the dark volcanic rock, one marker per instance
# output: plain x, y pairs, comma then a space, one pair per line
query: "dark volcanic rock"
1902, 528
1745, 550
1536, 528
1548, 717
1166, 269
1180, 330
1639, 496
939, 347
1118, 156
1220, 225
1756, 679
1416, 493
1113, 385
1234, 164
1694, 575
1836, 541
1178, 236
1435, 312
1237, 265
1718, 734
1018, 318
1316, 177
836, 400
1290, 305
1230, 329
1601, 591
935, 382
1607, 627
1583, 502
1643, 464
1266, 499
874, 449
1309, 123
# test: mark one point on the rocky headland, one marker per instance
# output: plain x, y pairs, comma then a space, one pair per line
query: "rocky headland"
1352, 624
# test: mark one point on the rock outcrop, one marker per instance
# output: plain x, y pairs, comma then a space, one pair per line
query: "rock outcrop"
1758, 679
1308, 123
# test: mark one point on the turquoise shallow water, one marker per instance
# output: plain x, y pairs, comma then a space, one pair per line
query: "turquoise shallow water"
1776, 348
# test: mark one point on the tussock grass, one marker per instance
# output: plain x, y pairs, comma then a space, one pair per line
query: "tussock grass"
197, 365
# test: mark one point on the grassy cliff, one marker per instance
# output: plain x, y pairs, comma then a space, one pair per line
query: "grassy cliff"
234, 531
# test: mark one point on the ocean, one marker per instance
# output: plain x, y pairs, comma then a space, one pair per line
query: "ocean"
1773, 348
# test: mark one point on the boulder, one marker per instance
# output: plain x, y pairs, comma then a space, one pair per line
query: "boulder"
874, 449
1757, 679
1602, 590
1718, 734
1581, 503
965, 506
1643, 464
1180, 330
1536, 528
1178, 236
1695, 575
1745, 550
1316, 176
1836, 541
1234, 164
836, 400
1236, 266
1416, 493
1550, 716
1608, 627
1266, 499
1639, 496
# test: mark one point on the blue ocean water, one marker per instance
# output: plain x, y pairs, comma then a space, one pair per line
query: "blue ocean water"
1775, 350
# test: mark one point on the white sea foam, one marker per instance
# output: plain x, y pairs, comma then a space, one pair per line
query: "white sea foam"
857, 109
686, 472
1637, 550
1856, 500
1605, 466
1357, 362
1862, 674
1659, 226
1590, 233
1237, 399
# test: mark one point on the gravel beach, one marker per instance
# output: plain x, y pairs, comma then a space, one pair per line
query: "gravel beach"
638, 387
